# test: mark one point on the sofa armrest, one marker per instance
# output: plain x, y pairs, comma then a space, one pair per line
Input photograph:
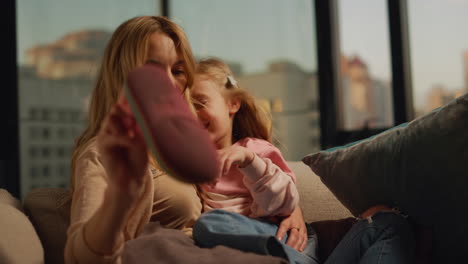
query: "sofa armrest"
49, 211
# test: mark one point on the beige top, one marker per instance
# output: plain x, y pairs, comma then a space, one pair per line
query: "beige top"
175, 205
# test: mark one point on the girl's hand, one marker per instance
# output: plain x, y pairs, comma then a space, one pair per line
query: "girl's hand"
234, 155
294, 223
123, 152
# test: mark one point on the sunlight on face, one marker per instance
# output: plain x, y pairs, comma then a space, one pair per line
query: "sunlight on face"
162, 51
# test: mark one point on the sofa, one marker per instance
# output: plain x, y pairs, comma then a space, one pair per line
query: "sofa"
34, 231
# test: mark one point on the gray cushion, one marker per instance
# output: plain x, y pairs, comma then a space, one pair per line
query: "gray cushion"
422, 168
19, 242
49, 211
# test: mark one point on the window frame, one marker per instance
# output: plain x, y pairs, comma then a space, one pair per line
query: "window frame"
327, 38
9, 135
328, 50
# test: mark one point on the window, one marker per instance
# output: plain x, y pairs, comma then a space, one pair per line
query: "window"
75, 132
60, 43
33, 113
45, 133
439, 52
62, 133
277, 105
34, 172
33, 152
45, 152
46, 114
45, 171
75, 115
62, 115
364, 98
34, 132
63, 169
61, 152
270, 47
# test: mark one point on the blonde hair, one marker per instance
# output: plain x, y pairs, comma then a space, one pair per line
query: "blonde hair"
126, 50
250, 120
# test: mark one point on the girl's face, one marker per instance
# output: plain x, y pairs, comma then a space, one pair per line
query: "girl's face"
215, 112
163, 52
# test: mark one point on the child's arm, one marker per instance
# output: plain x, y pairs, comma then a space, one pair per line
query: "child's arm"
273, 191
269, 180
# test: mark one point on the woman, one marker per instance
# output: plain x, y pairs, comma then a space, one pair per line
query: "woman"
117, 188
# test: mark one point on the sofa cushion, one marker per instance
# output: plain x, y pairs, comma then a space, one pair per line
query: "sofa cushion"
19, 242
316, 200
49, 211
422, 168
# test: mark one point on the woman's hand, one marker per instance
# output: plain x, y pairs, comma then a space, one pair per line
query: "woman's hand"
294, 223
234, 155
123, 152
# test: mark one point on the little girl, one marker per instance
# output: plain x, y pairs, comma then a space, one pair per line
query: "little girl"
255, 183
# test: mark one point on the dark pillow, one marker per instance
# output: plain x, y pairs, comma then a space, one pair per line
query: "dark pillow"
421, 168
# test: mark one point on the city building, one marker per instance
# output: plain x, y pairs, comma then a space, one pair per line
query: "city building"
439, 95
73, 56
54, 86
363, 101
465, 69
291, 96
383, 104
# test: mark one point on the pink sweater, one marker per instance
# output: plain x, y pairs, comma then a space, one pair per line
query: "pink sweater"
266, 187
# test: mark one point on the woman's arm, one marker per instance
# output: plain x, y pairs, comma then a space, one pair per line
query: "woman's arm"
103, 232
98, 216
109, 180
93, 235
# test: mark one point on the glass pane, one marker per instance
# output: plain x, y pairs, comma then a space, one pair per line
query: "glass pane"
60, 43
365, 96
439, 52
270, 46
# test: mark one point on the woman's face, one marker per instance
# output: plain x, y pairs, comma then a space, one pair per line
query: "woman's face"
163, 52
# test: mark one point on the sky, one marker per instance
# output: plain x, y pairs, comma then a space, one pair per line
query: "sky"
45, 21
257, 32
267, 30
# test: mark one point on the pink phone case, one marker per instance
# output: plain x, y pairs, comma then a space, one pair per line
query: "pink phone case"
176, 138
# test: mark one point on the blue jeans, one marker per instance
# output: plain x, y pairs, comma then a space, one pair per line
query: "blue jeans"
237, 231
384, 238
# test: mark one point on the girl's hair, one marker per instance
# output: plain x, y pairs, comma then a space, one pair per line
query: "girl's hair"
126, 50
251, 120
